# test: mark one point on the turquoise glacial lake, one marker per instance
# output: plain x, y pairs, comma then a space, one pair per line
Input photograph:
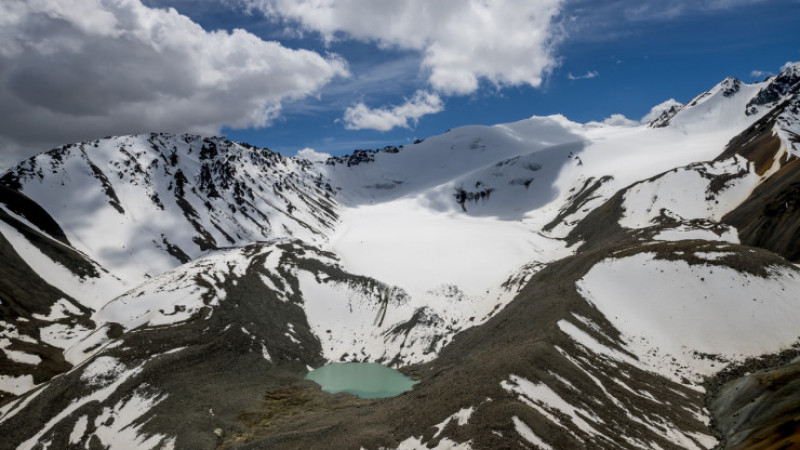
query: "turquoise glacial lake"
366, 380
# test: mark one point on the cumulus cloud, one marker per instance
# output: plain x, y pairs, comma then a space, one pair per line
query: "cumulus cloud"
75, 69
313, 155
507, 42
586, 76
360, 116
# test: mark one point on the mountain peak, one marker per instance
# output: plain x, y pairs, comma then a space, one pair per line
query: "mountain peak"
791, 68
778, 89
730, 86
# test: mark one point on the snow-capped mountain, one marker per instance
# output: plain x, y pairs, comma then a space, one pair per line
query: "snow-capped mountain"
144, 204
549, 283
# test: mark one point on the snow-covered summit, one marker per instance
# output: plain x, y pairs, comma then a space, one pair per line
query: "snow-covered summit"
777, 89
732, 102
722, 106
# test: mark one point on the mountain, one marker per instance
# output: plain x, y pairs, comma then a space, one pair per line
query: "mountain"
550, 284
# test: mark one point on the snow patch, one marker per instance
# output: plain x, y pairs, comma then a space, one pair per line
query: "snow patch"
97, 396
685, 232
22, 357
102, 371
541, 397
414, 443
525, 431
78, 431
63, 335
16, 385
461, 417
119, 427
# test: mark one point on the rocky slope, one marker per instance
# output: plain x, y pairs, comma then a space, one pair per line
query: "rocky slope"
550, 284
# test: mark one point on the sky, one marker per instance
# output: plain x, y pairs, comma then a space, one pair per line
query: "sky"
332, 76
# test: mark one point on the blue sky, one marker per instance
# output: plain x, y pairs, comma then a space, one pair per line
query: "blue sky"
638, 61
340, 75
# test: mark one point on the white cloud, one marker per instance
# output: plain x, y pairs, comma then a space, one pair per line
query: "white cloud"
659, 109
313, 155
360, 116
507, 42
619, 120
615, 120
613, 20
586, 76
76, 69
659, 10
761, 74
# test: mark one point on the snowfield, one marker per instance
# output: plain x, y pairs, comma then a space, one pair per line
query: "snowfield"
674, 315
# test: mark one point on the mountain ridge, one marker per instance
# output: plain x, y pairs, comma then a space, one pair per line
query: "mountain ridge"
500, 266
